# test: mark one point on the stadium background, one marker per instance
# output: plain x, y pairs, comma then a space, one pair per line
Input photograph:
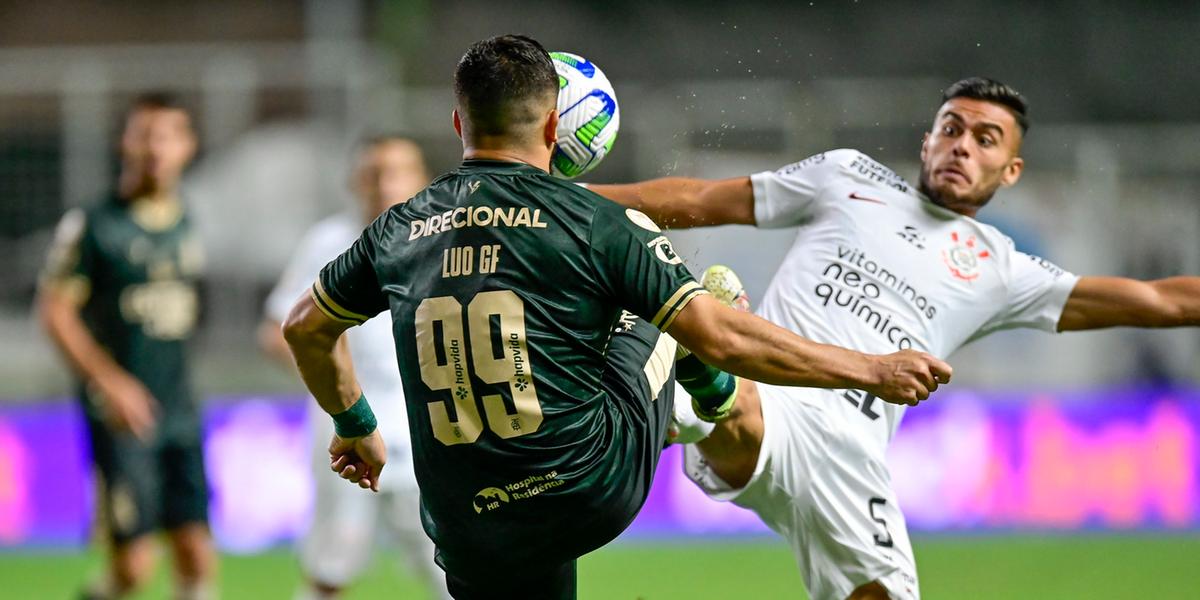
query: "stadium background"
1056, 467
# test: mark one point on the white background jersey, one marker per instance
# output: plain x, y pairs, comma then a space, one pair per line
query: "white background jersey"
371, 345
876, 267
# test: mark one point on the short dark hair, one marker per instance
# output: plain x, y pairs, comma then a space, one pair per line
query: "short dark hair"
156, 100
501, 83
990, 90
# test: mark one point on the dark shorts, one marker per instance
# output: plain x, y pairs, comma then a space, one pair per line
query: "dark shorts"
147, 486
640, 423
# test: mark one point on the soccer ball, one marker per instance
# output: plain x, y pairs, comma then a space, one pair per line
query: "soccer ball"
588, 118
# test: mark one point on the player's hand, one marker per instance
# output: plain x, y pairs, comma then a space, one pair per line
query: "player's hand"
359, 460
126, 404
908, 376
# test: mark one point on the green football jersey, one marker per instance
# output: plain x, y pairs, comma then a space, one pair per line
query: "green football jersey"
504, 286
133, 268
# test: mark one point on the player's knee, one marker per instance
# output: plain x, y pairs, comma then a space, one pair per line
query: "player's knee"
739, 434
869, 591
195, 557
133, 565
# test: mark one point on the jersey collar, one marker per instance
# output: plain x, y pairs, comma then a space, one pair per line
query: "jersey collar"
155, 216
501, 166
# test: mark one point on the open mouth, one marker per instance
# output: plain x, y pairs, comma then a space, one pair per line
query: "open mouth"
954, 173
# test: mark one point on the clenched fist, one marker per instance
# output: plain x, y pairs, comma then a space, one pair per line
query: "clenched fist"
359, 460
908, 376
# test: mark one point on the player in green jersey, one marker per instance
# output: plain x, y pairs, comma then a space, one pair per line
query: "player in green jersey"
537, 408
119, 299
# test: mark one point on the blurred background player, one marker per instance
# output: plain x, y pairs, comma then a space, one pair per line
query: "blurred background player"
880, 264
388, 171
537, 410
119, 300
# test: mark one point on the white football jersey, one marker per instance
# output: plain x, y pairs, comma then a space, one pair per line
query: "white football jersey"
372, 347
877, 267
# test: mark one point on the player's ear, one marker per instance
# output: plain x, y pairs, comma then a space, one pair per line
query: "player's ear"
457, 124
924, 146
1012, 171
550, 132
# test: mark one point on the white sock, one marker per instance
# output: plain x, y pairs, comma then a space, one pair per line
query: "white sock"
686, 427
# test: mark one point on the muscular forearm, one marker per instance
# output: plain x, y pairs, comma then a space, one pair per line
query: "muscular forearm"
758, 350
1182, 296
751, 347
323, 360
61, 321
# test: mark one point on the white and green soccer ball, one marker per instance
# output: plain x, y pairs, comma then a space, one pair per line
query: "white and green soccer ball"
588, 117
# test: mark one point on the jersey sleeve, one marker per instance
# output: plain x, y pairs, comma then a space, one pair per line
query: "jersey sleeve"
1037, 292
347, 289
74, 259
637, 264
787, 197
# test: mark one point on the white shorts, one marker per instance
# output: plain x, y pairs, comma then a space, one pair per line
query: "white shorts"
347, 521
821, 482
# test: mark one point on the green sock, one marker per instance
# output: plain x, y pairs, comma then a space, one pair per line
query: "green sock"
709, 386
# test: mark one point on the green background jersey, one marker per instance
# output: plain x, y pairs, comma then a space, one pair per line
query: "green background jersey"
133, 269
505, 285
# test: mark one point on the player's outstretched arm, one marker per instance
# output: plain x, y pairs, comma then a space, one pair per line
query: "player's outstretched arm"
1099, 302
751, 347
323, 359
680, 202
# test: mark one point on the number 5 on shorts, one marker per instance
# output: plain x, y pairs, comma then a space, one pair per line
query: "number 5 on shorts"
499, 353
886, 539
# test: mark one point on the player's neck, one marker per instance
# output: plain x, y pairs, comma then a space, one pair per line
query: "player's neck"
962, 209
150, 196
965, 209
535, 157
130, 188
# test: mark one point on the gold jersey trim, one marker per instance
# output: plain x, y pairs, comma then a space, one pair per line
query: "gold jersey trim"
670, 309
332, 309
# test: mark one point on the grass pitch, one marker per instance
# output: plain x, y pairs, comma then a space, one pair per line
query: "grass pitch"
1090, 566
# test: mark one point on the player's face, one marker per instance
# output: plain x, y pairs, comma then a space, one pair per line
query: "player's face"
969, 154
388, 174
155, 147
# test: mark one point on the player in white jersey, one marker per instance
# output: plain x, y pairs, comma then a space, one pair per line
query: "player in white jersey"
879, 265
339, 543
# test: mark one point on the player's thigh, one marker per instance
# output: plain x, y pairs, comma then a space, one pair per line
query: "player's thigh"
184, 482
401, 512
130, 483
532, 581
638, 371
732, 448
820, 488
341, 535
857, 533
